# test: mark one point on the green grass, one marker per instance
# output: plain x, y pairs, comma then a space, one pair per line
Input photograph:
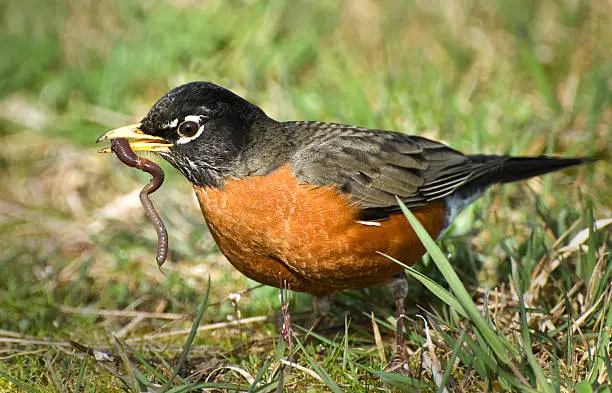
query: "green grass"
528, 308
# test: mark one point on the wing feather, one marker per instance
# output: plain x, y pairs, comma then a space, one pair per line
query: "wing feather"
374, 166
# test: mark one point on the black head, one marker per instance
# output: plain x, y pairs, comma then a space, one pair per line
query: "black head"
207, 126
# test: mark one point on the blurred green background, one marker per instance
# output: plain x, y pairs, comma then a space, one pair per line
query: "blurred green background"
506, 76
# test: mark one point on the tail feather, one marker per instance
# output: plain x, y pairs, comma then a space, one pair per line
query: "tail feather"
506, 169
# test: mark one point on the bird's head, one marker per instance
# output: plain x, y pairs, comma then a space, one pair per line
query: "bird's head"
199, 127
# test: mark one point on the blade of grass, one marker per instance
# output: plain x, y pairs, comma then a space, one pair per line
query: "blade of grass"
17, 382
500, 346
540, 77
134, 379
484, 356
280, 350
146, 365
569, 340
190, 338
281, 379
591, 254
381, 322
267, 387
378, 340
207, 385
53, 374
543, 384
433, 286
319, 337
449, 366
81, 376
331, 384
603, 342
583, 387
260, 375
398, 380
608, 363
345, 353
466, 357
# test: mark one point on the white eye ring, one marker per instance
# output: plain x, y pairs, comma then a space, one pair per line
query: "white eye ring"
194, 119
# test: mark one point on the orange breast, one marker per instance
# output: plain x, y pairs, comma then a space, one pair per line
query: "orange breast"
271, 228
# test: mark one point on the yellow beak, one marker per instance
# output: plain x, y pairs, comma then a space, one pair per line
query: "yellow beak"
140, 142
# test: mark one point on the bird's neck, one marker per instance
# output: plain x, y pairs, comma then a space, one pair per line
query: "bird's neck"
268, 146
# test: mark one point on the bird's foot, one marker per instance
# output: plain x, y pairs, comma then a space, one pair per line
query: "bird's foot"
399, 363
399, 288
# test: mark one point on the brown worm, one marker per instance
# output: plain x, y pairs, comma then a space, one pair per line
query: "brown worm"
123, 151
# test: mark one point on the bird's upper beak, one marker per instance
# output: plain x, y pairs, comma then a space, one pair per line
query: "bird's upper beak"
140, 141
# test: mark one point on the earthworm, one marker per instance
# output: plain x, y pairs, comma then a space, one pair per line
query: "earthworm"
125, 154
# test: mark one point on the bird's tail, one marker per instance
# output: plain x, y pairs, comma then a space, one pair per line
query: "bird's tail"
506, 169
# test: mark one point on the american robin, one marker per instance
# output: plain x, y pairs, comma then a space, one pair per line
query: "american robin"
313, 203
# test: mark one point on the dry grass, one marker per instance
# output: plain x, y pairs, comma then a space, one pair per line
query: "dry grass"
78, 253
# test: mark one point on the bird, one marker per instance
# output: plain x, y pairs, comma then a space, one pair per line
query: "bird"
314, 205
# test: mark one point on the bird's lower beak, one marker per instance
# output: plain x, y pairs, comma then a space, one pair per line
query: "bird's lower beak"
140, 141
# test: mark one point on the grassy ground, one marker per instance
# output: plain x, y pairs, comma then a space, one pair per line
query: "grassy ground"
77, 253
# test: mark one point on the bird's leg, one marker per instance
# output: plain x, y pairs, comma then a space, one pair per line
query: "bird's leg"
399, 289
321, 306
286, 329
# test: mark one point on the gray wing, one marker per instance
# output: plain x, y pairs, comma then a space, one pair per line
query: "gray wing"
374, 166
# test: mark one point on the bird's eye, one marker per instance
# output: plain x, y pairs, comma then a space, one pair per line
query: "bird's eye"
188, 128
